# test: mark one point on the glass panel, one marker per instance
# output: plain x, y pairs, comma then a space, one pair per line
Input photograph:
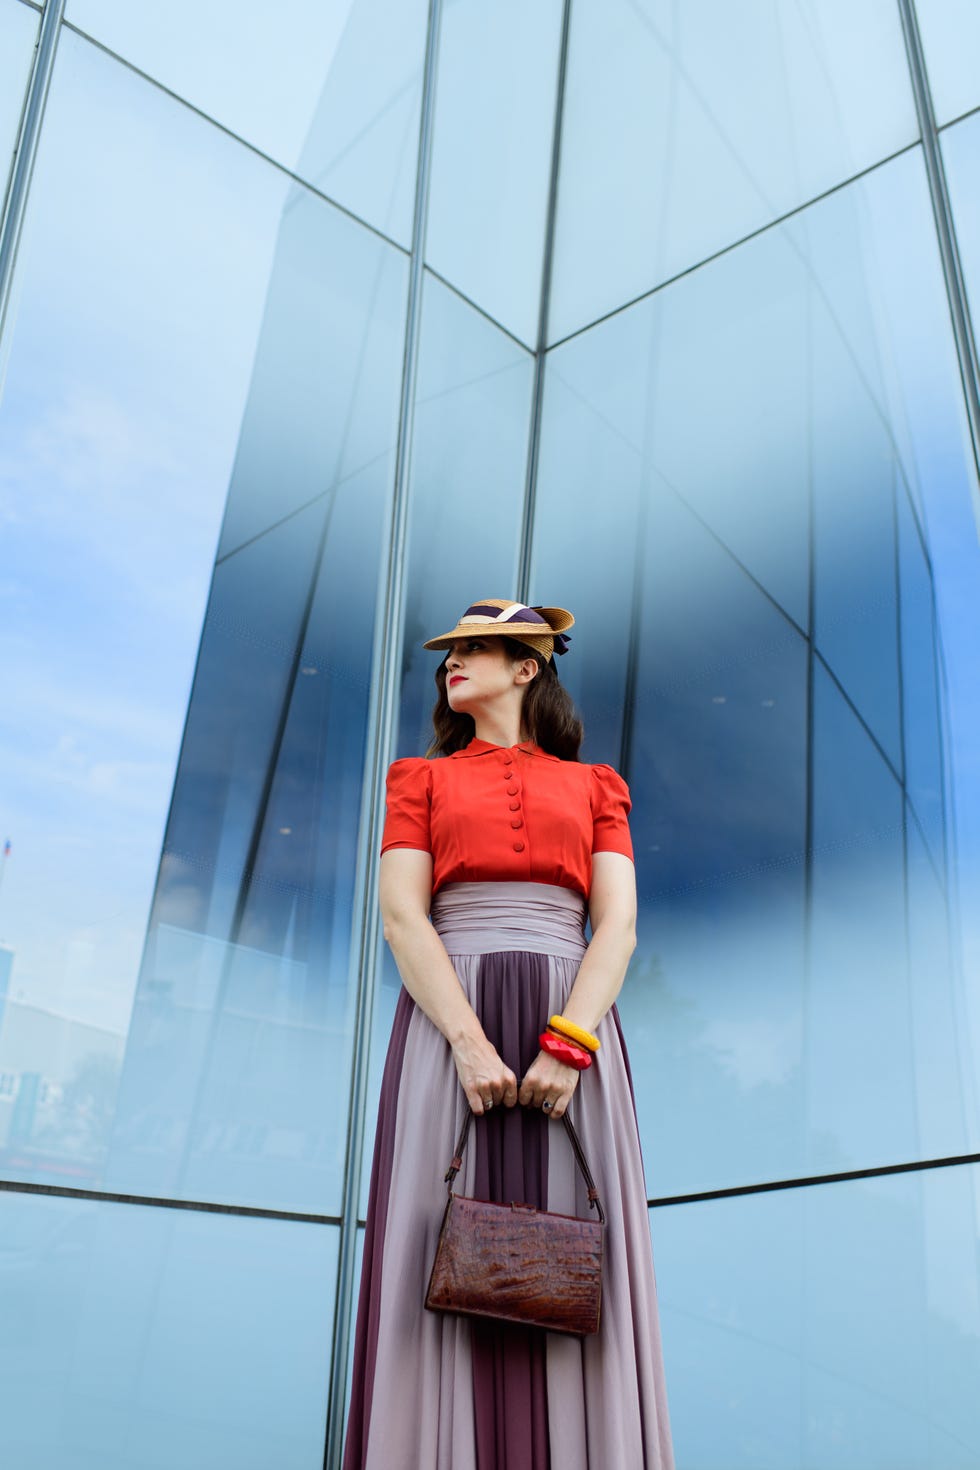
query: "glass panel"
886, 411
323, 400
664, 400
686, 127
18, 33
835, 1326
225, 1093
717, 769
942, 472
923, 731
961, 155
859, 1055
467, 485
817, 354
129, 412
491, 154
331, 91
153, 1337
130, 354
945, 1080
950, 31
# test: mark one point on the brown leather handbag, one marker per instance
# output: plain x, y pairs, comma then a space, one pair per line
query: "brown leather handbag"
517, 1264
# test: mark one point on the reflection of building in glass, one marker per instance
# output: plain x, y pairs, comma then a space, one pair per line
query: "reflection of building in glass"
692, 373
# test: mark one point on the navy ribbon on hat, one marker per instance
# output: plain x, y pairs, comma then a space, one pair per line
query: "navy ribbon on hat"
517, 615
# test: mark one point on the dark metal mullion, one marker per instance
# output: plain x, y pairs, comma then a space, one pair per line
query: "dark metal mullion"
966, 347
809, 1181
161, 1202
523, 590
808, 799
381, 741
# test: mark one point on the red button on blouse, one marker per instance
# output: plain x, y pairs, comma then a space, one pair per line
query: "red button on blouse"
451, 808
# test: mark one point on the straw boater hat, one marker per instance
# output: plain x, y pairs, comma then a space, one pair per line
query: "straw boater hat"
542, 628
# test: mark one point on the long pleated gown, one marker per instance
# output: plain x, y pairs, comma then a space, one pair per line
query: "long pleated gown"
438, 1392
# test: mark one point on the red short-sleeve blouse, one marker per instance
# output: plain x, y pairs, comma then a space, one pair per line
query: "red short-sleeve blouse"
490, 814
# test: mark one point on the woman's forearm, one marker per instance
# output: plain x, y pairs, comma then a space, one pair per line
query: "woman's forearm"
601, 973
429, 978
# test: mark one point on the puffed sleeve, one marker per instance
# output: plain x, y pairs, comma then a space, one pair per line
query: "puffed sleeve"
408, 805
610, 806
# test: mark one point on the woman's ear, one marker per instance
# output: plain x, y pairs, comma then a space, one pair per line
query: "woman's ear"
526, 670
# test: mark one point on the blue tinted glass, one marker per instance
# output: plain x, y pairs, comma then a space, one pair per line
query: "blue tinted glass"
920, 682
688, 126
954, 545
886, 413
702, 393
331, 91
814, 362
859, 1061
467, 485
154, 1337
18, 32
950, 31
716, 765
832, 1326
247, 960
852, 465
961, 147
322, 409
944, 1070
491, 154
129, 355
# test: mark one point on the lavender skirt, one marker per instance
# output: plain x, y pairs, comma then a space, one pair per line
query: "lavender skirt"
433, 1392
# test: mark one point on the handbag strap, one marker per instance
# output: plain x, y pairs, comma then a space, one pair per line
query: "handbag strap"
594, 1202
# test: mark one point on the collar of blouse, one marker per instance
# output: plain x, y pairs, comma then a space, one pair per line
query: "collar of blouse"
486, 747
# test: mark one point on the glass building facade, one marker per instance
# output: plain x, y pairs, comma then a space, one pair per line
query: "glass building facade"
317, 322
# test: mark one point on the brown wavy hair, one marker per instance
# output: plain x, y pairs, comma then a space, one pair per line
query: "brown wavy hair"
547, 714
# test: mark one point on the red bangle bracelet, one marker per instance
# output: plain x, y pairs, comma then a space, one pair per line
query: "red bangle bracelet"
565, 1051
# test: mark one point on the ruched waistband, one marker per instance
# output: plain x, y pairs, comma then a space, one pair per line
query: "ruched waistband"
487, 918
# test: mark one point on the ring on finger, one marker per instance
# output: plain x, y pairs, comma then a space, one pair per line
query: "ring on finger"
487, 1104
547, 1106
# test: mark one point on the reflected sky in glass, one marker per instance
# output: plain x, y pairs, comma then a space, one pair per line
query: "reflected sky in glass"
18, 30
495, 107
805, 379
950, 31
689, 126
155, 1337
129, 361
831, 1326
330, 91
177, 333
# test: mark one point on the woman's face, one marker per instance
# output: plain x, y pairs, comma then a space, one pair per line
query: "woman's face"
478, 672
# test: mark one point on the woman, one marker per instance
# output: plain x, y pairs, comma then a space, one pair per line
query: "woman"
504, 840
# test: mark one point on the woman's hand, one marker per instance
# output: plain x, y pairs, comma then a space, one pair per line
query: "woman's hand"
483, 1076
548, 1080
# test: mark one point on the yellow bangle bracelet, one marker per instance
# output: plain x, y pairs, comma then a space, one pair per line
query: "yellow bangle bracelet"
574, 1033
